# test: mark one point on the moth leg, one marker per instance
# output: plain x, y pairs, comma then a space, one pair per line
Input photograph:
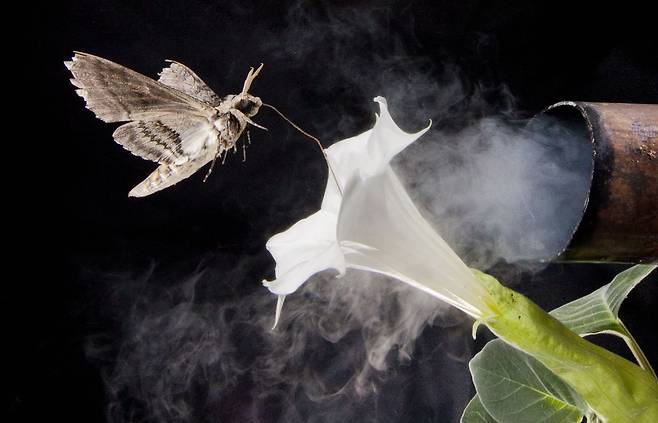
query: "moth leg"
214, 159
244, 150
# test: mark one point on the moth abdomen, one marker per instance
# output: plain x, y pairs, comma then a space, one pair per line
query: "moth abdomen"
167, 174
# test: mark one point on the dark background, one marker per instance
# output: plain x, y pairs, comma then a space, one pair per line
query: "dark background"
324, 61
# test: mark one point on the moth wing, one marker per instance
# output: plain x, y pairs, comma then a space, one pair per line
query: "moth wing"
172, 139
182, 78
118, 94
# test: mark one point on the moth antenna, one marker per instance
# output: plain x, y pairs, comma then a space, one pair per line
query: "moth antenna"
250, 78
212, 165
317, 141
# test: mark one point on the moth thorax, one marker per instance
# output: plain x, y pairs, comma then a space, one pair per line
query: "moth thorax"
230, 128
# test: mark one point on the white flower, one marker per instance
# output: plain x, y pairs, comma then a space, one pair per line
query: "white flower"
370, 223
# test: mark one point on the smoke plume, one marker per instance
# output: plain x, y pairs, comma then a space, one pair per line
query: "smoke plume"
189, 357
503, 192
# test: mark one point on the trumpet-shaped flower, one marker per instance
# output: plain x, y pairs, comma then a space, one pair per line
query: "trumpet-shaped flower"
367, 221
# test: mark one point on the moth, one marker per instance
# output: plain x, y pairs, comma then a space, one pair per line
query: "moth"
176, 121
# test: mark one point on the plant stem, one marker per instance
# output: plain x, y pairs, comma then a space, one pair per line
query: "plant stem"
642, 359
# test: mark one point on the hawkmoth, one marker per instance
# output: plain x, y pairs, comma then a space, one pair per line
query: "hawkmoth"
176, 121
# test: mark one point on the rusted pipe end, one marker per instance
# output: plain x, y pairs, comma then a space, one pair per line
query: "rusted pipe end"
620, 213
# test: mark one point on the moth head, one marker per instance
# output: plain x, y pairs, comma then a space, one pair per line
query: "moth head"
247, 104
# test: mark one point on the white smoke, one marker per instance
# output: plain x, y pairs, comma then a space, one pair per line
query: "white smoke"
184, 358
500, 192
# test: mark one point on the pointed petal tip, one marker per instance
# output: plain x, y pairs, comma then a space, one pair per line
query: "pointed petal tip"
275, 287
279, 307
383, 106
381, 100
474, 330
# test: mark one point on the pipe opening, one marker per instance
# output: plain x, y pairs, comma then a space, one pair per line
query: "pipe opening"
566, 133
578, 183
503, 193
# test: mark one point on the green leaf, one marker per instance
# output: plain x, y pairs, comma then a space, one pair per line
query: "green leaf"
514, 387
476, 413
598, 312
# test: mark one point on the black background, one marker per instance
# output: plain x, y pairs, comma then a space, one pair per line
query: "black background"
324, 61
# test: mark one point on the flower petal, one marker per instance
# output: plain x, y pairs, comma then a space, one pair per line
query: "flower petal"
345, 158
370, 153
381, 230
308, 247
385, 142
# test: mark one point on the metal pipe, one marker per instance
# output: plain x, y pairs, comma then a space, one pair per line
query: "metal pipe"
620, 220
